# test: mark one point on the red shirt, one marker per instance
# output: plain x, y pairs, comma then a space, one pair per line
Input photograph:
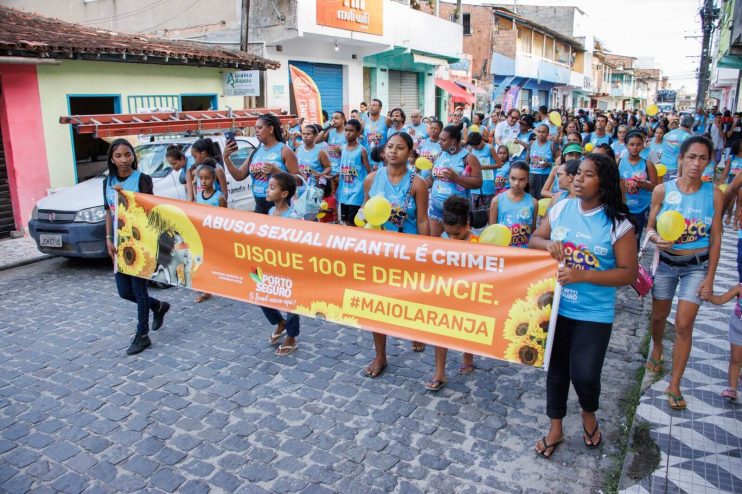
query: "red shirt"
332, 205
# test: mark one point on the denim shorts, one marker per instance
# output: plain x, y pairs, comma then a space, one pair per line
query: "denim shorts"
435, 213
668, 278
735, 330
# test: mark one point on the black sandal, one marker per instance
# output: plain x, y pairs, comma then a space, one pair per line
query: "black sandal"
591, 444
548, 447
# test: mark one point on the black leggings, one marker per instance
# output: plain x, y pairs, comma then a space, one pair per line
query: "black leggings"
577, 357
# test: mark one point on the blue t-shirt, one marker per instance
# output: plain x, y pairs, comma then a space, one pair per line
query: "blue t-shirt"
638, 200
352, 175
596, 140
488, 176
308, 160
430, 150
735, 165
502, 178
442, 187
404, 207
213, 200
696, 208
260, 157
588, 238
518, 216
289, 213
671, 152
655, 151
130, 183
374, 132
542, 158
418, 132
334, 145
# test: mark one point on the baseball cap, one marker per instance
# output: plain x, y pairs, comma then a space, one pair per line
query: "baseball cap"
572, 148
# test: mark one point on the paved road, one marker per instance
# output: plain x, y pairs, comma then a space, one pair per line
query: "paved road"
210, 407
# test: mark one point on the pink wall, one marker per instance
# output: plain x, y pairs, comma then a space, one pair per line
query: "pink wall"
23, 139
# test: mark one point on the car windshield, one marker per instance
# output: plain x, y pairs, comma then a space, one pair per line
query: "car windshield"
151, 159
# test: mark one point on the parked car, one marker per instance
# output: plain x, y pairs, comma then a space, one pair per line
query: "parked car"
71, 221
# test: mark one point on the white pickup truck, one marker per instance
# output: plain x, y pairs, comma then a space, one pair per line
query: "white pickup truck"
71, 221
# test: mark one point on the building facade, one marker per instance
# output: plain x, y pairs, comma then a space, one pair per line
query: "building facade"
52, 68
392, 55
726, 82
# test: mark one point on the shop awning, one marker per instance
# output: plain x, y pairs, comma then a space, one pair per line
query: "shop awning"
428, 60
471, 87
456, 92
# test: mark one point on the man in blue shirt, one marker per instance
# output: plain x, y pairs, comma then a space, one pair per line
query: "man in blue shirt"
599, 136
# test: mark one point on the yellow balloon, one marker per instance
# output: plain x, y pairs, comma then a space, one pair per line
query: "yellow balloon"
652, 110
423, 164
377, 210
369, 226
723, 187
543, 205
670, 225
661, 169
496, 235
474, 128
555, 118
359, 220
589, 147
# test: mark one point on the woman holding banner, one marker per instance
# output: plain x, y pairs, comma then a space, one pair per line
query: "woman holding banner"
408, 195
272, 156
589, 272
688, 256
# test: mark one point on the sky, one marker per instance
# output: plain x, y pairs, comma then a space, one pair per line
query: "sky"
643, 28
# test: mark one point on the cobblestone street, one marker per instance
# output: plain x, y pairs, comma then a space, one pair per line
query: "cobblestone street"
210, 407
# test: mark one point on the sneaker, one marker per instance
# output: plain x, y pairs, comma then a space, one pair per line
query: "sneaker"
139, 344
159, 316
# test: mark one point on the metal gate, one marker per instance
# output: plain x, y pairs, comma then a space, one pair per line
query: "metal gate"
403, 91
7, 223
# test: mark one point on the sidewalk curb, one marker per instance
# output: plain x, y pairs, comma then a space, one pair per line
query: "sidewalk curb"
24, 262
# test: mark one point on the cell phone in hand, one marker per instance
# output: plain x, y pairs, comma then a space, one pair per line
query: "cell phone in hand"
229, 137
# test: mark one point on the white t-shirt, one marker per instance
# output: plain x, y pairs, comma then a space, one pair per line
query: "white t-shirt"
506, 133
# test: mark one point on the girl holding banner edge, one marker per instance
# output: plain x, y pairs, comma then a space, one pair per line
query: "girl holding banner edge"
593, 239
408, 195
272, 156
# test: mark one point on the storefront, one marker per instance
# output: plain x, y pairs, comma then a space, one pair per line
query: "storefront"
352, 62
86, 73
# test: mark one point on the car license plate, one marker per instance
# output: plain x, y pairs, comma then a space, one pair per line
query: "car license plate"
50, 240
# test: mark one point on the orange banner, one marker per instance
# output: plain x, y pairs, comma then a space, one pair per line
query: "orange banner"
306, 95
365, 16
487, 300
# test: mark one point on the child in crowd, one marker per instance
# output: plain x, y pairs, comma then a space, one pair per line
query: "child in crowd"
516, 208
328, 213
354, 167
735, 336
207, 194
281, 188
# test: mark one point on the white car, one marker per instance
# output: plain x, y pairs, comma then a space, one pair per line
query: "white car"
71, 221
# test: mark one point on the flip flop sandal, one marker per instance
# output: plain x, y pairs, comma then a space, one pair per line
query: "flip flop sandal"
466, 369
730, 394
275, 338
418, 347
286, 350
435, 385
676, 402
203, 297
591, 444
655, 365
369, 371
548, 447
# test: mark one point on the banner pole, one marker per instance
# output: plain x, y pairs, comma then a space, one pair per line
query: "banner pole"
552, 324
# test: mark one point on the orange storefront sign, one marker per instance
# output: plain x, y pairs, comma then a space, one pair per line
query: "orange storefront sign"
492, 301
365, 16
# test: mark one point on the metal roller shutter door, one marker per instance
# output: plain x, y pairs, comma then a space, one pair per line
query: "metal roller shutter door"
329, 81
7, 223
403, 91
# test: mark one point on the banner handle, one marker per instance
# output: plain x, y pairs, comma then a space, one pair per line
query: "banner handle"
552, 322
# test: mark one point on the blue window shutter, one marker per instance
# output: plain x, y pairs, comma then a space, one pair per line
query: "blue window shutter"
329, 81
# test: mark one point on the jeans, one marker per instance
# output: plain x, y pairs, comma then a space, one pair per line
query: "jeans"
577, 357
683, 279
274, 317
640, 223
135, 290
262, 205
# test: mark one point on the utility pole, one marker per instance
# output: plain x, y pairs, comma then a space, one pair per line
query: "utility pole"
244, 24
709, 15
